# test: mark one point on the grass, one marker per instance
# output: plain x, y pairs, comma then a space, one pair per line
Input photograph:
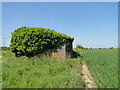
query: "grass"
0, 69
103, 65
34, 72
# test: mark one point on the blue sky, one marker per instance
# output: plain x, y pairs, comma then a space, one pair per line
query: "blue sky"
92, 24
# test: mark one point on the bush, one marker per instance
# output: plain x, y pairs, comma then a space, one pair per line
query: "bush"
5, 48
77, 53
30, 41
80, 47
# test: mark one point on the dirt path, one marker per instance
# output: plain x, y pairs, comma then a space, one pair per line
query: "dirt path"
87, 77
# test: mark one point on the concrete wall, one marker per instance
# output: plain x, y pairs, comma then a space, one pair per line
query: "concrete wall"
63, 51
59, 52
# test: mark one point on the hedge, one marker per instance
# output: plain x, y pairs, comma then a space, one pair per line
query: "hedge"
30, 41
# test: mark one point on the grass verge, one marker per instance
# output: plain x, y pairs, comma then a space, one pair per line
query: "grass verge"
35, 72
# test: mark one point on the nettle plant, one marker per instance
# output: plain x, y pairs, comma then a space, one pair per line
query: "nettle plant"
30, 41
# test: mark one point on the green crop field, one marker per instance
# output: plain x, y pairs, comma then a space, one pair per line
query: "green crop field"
103, 65
33, 72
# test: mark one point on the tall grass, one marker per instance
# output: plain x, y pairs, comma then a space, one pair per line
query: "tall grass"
0, 69
103, 65
36, 72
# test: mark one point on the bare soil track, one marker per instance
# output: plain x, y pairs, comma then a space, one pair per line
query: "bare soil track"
87, 77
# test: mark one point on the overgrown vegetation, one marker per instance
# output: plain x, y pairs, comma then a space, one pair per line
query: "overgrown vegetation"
23, 72
30, 41
79, 47
103, 65
77, 53
4, 48
0, 69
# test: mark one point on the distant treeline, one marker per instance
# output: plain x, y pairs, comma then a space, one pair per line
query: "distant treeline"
101, 48
81, 47
4, 48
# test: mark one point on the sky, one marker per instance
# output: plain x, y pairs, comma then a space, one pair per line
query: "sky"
92, 24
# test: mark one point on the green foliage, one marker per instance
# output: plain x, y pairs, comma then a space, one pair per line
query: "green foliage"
80, 47
5, 48
77, 53
0, 69
29, 41
23, 72
103, 66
